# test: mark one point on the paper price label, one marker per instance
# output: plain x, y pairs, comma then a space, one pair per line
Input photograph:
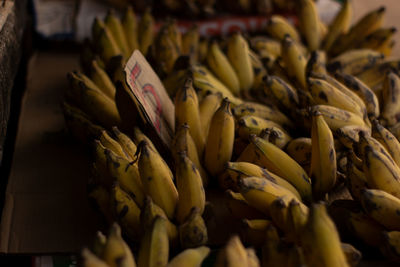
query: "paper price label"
151, 95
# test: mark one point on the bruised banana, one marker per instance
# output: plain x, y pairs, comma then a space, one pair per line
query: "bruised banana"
283, 93
238, 55
391, 97
323, 157
387, 139
108, 142
295, 62
248, 125
356, 180
378, 38
193, 231
309, 23
349, 134
157, 179
316, 64
337, 118
191, 257
300, 150
219, 145
128, 146
277, 27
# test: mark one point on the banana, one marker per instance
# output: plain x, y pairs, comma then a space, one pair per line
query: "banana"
126, 210
193, 231
382, 207
239, 208
309, 23
339, 25
189, 186
277, 27
99, 243
323, 157
219, 64
108, 142
146, 31
241, 170
130, 26
282, 92
238, 55
395, 130
252, 232
324, 93
374, 76
391, 98
207, 107
79, 124
294, 60
355, 61
126, 143
381, 172
391, 245
106, 44
91, 260
100, 199
115, 26
363, 91
262, 111
252, 259
174, 34
337, 118
102, 80
187, 111
356, 180
278, 211
278, 162
259, 69
202, 49
352, 254
154, 247
320, 240
378, 38
300, 150
150, 211
248, 125
191, 257
295, 221
94, 102
233, 254
175, 80
366, 25
316, 64
387, 139
157, 179
190, 42
139, 136
348, 135
260, 193
219, 145
386, 47
165, 51
266, 47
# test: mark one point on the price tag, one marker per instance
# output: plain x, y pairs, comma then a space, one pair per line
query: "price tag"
153, 99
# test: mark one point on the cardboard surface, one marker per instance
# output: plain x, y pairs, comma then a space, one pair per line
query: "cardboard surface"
46, 208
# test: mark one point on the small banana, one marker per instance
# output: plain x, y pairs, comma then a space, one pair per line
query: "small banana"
190, 42
390, 97
339, 25
387, 139
309, 23
320, 240
233, 254
191, 257
146, 31
295, 62
154, 247
239, 208
378, 38
207, 107
130, 26
114, 24
139, 136
316, 64
157, 179
353, 255
89, 259
165, 51
282, 92
295, 221
323, 157
337, 118
219, 145
102, 80
382, 207
348, 135
391, 245
238, 55
106, 44
100, 199
193, 231
248, 125
300, 150
356, 180
278, 26
108, 142
219, 64
252, 232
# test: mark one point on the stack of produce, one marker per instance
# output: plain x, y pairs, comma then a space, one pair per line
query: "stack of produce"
296, 130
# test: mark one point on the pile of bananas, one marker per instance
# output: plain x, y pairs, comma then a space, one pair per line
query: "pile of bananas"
295, 131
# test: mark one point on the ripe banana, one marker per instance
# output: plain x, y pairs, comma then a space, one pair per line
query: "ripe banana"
146, 31
130, 26
309, 23
108, 142
106, 44
353, 255
114, 24
348, 135
387, 139
356, 180
316, 64
252, 232
126, 143
378, 38
239, 208
283, 93
248, 125
165, 51
191, 257
90, 259
277, 27
295, 221
190, 42
337, 118
102, 80
193, 231
233, 254
294, 60
390, 97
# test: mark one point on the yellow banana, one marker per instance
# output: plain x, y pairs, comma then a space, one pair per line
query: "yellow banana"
146, 31
337, 118
355, 61
387, 139
193, 231
320, 240
207, 107
154, 247
250, 124
238, 55
323, 157
106, 44
259, 69
252, 232
339, 25
189, 186
100, 199
187, 111
116, 252
126, 143
356, 180
240, 209
295, 62
175, 80
352, 254
277, 161
108, 142
233, 254
278, 212
89, 259
165, 51
174, 34
241, 170
252, 259
374, 76
157, 179
382, 207
277, 27
266, 47
390, 97
366, 25
283, 93
139, 136
202, 49
309, 23
99, 243
378, 38
300, 150
219, 145
295, 221
130, 26
363, 91
316, 64
190, 42
102, 80
114, 24
348, 135
191, 257
219, 64
391, 245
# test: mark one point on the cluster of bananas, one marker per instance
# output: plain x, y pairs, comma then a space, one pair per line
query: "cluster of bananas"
272, 124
